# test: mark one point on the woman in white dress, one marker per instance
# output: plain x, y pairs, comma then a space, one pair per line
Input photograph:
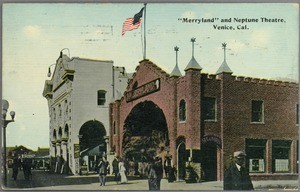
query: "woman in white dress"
122, 171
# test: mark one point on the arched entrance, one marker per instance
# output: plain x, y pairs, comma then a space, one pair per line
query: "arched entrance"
91, 143
210, 146
181, 158
145, 130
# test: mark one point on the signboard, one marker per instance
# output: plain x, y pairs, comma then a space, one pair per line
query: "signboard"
143, 90
212, 138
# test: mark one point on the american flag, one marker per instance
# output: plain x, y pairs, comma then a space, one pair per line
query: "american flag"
128, 25
133, 23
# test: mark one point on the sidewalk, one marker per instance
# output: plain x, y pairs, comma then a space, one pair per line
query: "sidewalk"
45, 181
142, 185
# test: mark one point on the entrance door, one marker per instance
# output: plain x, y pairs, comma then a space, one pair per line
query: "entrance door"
181, 156
209, 161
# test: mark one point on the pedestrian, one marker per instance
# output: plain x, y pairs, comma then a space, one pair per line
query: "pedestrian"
122, 171
236, 177
115, 165
158, 167
126, 165
26, 165
172, 174
103, 165
15, 168
152, 177
167, 165
131, 167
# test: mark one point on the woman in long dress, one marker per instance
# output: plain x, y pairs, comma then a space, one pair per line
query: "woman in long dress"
152, 178
122, 171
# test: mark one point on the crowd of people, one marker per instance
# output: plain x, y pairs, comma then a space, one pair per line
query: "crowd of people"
22, 164
153, 169
236, 177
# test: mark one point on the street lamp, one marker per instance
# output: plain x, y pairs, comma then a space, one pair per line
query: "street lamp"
5, 106
49, 70
61, 53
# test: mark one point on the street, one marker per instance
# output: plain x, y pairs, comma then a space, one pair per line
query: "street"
42, 180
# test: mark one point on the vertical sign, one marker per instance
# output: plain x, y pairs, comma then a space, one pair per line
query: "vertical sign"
76, 151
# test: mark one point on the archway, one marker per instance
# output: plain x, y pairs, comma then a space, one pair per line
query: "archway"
91, 143
209, 163
181, 158
145, 130
209, 151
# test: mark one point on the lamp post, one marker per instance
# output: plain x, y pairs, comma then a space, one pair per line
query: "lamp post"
5, 106
61, 53
49, 70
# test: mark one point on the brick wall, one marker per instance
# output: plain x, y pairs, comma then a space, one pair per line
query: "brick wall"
233, 123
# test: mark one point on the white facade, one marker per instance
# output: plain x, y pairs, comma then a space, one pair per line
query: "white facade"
74, 105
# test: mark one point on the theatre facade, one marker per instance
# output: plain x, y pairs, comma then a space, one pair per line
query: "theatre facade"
202, 119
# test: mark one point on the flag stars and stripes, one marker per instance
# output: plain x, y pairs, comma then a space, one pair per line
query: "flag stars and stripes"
132, 23
128, 25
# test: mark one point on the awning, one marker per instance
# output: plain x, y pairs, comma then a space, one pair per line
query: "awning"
42, 157
98, 150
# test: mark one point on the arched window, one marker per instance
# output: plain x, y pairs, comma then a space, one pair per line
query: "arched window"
54, 134
182, 111
135, 85
66, 132
101, 97
59, 133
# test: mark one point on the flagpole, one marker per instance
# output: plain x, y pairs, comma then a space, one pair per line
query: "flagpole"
145, 30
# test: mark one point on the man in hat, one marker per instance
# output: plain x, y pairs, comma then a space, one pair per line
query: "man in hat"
236, 176
158, 167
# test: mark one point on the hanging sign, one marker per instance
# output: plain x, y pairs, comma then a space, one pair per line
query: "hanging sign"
143, 90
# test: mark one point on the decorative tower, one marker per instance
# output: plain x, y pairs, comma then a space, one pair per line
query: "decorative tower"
224, 67
193, 64
176, 71
193, 108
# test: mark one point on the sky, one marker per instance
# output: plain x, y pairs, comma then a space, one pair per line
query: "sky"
34, 34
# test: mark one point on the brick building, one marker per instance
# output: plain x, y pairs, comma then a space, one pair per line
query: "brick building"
204, 118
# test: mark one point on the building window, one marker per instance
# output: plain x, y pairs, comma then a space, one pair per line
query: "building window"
66, 131
101, 97
54, 114
297, 114
54, 135
182, 111
257, 111
115, 130
281, 156
59, 108
256, 155
209, 108
135, 85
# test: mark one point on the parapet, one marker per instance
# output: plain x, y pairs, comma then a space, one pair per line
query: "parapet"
208, 76
265, 82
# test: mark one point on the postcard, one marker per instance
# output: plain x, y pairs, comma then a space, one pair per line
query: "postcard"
150, 96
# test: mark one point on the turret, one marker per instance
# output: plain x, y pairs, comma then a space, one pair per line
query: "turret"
176, 71
224, 68
193, 64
